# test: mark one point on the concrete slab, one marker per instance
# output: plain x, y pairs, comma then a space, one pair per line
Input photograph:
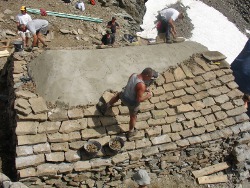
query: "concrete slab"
79, 77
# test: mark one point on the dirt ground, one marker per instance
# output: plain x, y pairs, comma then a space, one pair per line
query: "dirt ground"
237, 11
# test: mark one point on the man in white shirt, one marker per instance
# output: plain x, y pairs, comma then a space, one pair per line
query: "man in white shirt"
168, 17
36, 27
23, 18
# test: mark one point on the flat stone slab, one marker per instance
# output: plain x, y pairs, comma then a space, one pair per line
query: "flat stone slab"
179, 39
79, 77
214, 55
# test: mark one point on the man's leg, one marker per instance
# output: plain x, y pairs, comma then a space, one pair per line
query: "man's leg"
104, 107
132, 121
22, 35
168, 33
112, 38
39, 37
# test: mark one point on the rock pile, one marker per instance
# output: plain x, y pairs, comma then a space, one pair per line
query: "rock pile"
192, 121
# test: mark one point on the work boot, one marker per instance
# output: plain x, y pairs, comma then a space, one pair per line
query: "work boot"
132, 133
169, 41
102, 107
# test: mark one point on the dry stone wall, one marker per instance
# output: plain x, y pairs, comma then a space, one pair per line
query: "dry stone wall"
192, 121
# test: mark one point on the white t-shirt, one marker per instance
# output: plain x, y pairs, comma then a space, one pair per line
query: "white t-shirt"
169, 13
23, 18
80, 5
37, 25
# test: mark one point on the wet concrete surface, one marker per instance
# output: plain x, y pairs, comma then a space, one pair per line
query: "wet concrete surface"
79, 77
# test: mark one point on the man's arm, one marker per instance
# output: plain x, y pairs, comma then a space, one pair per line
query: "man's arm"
140, 90
109, 25
173, 30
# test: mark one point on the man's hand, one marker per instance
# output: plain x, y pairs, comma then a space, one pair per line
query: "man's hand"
149, 94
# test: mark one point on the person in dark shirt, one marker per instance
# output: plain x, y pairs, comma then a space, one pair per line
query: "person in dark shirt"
106, 39
113, 25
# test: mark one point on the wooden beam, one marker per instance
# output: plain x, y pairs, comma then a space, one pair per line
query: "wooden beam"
212, 179
210, 169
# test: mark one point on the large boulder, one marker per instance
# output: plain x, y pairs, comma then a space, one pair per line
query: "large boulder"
136, 8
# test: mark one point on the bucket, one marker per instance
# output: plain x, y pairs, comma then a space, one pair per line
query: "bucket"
18, 46
92, 147
116, 144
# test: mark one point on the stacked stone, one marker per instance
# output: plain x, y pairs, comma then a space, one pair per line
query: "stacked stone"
195, 108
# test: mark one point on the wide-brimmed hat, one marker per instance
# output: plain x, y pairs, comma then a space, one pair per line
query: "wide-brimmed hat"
141, 177
108, 31
23, 8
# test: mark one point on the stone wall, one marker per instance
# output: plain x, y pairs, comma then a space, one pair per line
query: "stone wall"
192, 121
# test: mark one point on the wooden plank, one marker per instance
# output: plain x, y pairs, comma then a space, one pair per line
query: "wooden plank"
212, 179
210, 169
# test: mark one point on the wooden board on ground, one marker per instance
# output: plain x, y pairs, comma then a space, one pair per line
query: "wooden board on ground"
212, 179
4, 53
210, 170
179, 39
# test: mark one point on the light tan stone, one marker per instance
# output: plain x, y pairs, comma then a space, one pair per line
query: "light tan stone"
59, 115
31, 139
32, 160
144, 142
69, 126
33, 117
91, 111
26, 127
74, 136
93, 133
75, 113
25, 94
55, 157
135, 155
96, 163
72, 156
57, 137
160, 139
24, 150
119, 158
27, 172
38, 105
65, 168
82, 166
47, 169
49, 127
60, 146
22, 103
41, 148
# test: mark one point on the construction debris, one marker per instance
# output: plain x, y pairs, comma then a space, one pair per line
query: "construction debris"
210, 170
212, 179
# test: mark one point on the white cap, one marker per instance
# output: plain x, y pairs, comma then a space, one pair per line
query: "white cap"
141, 177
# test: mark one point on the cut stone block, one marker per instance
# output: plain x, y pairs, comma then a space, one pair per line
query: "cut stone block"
214, 56
32, 160
38, 105
26, 127
47, 169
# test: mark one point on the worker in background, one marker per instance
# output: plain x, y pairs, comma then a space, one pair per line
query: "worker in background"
37, 27
113, 25
142, 178
168, 17
23, 18
106, 39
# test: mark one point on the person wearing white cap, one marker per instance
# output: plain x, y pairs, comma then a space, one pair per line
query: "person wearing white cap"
23, 18
142, 178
